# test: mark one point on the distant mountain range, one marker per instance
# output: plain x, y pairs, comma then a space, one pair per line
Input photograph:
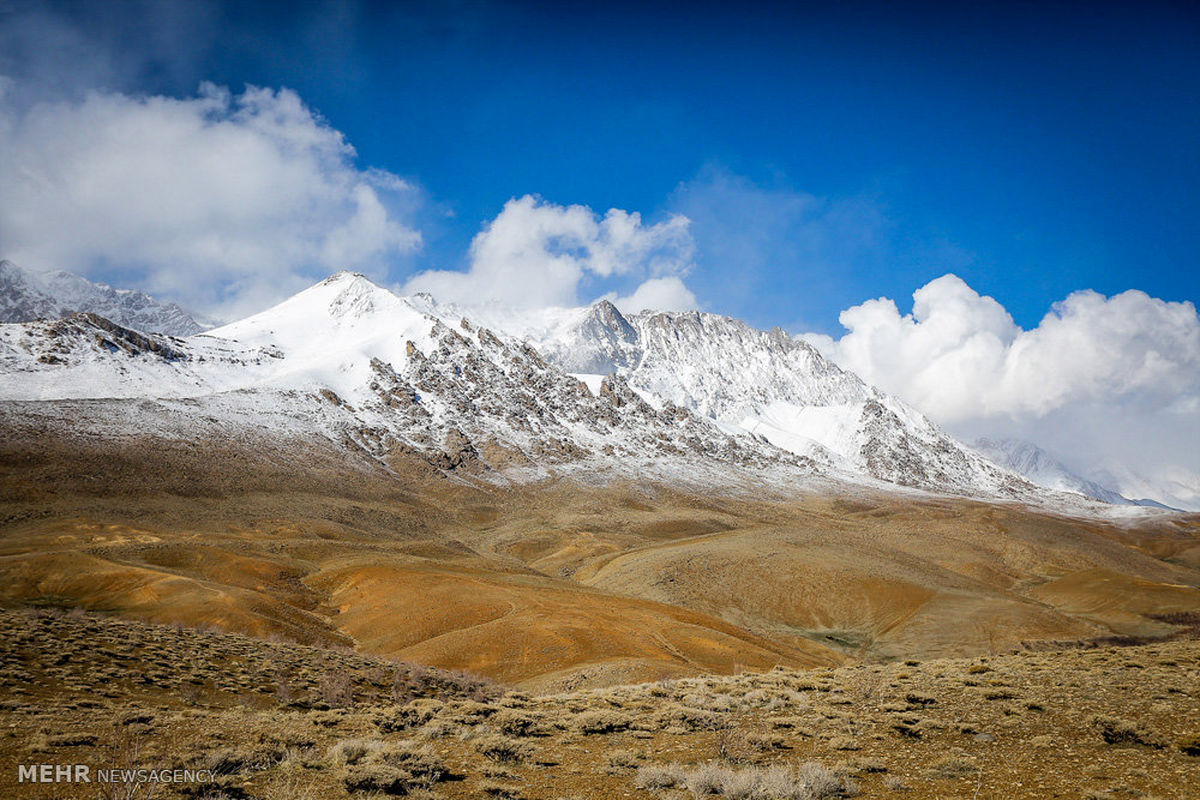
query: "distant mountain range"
1034, 463
26, 296
688, 397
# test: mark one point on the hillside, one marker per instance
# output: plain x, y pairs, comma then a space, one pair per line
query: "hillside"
283, 722
547, 584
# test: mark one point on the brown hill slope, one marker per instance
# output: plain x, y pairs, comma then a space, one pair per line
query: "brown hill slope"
561, 583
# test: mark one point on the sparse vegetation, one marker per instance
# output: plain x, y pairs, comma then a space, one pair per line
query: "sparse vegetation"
872, 729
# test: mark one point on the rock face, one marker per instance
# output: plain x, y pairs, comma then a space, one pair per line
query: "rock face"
26, 296
600, 342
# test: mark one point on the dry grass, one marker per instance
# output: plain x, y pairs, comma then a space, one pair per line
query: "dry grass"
755, 736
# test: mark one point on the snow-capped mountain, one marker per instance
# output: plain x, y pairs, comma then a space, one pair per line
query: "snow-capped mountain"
1173, 487
26, 296
690, 397
772, 385
351, 361
1034, 463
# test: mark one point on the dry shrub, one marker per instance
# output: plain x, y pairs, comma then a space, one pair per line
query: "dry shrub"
337, 689
377, 777
351, 751
601, 721
1122, 731
375, 766
809, 781
417, 713
623, 759
492, 788
469, 712
844, 743
674, 715
511, 722
763, 740
419, 761
704, 780
654, 777
503, 749
953, 766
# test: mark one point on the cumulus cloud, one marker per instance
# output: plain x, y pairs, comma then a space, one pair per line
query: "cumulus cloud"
1110, 383
536, 254
657, 294
959, 355
214, 199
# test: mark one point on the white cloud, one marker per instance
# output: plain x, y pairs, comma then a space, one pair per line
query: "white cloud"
536, 254
1103, 381
216, 198
657, 294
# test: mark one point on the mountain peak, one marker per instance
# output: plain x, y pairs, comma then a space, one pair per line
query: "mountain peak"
26, 296
346, 276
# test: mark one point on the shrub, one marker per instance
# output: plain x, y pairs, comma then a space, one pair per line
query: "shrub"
503, 749
337, 689
622, 759
414, 715
687, 719
1122, 731
656, 776
601, 721
952, 767
809, 781
351, 751
420, 762
705, 779
377, 777
493, 788
516, 723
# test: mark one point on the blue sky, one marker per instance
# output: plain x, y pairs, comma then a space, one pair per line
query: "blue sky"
825, 153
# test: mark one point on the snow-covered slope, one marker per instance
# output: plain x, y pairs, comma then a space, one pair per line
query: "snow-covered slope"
26, 296
772, 385
1034, 463
351, 361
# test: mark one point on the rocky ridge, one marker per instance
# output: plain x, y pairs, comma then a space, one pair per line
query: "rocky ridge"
26, 296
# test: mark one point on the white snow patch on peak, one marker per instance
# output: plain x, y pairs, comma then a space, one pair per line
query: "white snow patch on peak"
329, 333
